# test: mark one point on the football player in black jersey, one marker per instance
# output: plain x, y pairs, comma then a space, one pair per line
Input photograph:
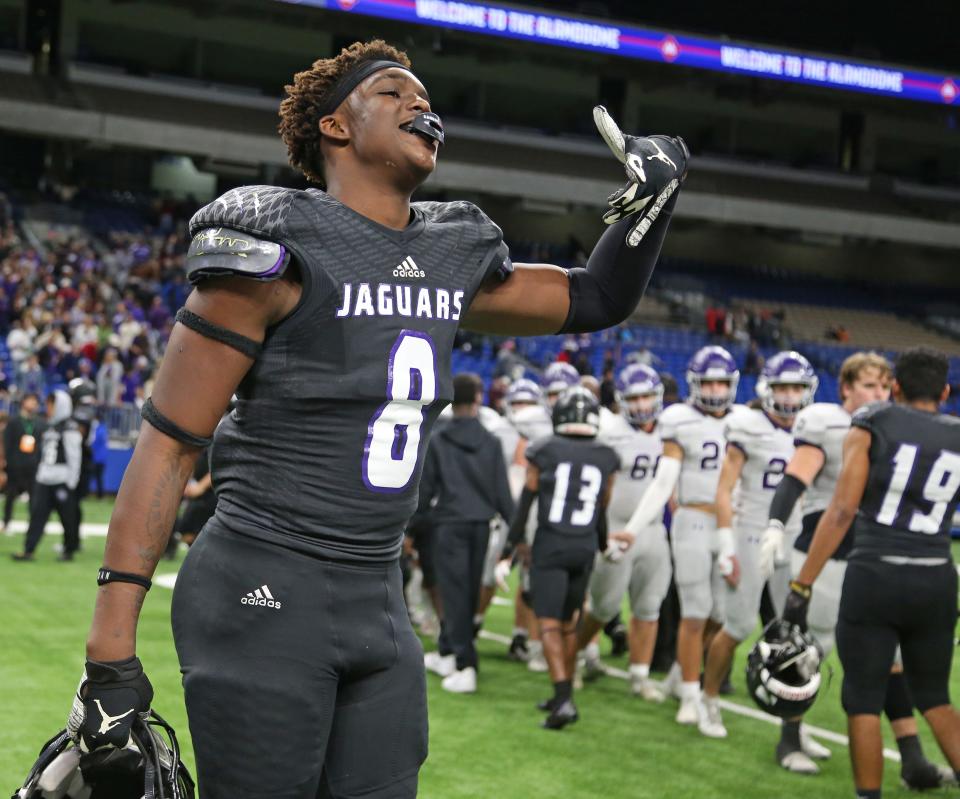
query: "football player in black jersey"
331, 313
572, 475
899, 486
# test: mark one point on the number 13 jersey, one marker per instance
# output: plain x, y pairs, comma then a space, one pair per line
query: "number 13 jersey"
324, 450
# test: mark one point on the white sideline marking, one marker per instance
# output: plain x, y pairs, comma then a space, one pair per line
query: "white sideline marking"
732, 707
86, 530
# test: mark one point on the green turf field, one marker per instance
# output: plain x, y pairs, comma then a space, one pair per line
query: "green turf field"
485, 745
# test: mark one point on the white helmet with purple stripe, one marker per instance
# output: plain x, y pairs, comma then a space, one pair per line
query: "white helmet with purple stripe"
558, 377
787, 368
712, 364
641, 394
522, 392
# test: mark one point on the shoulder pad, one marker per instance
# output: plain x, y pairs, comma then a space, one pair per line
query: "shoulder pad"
260, 210
740, 423
867, 415
221, 251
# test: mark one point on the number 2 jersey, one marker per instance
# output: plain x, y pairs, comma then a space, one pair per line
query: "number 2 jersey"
701, 437
573, 473
913, 486
324, 450
767, 448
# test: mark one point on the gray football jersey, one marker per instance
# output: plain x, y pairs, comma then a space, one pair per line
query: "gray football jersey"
325, 448
768, 449
823, 425
701, 437
533, 422
639, 454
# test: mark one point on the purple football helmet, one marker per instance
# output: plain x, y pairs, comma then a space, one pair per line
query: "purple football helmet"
712, 363
522, 392
787, 368
558, 377
639, 380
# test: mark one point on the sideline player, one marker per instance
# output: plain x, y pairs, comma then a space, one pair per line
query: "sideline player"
812, 474
572, 474
759, 446
703, 557
332, 315
899, 486
643, 567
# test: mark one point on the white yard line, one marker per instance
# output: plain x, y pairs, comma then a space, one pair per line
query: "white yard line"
86, 530
732, 707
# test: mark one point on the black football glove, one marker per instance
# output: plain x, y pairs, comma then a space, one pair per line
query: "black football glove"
795, 608
655, 166
109, 699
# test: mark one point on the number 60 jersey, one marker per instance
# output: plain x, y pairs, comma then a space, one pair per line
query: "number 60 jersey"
324, 450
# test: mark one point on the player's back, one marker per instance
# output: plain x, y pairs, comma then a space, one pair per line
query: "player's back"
573, 473
325, 447
701, 436
913, 486
767, 448
639, 453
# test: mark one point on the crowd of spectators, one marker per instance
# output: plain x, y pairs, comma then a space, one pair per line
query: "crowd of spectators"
84, 306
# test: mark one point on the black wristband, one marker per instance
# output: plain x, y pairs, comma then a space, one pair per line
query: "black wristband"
785, 498
106, 575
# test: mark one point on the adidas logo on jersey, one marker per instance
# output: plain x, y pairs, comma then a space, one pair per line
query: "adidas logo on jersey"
408, 268
261, 597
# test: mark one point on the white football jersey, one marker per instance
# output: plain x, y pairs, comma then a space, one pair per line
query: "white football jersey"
768, 449
701, 437
823, 425
533, 422
639, 454
502, 429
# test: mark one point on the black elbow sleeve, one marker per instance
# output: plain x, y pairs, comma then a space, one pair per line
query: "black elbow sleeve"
785, 498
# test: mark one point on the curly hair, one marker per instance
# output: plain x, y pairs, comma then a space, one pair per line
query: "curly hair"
299, 117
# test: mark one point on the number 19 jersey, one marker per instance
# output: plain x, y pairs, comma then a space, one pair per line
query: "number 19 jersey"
913, 486
324, 450
701, 437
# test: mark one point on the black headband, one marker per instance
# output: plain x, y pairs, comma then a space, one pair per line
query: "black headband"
348, 82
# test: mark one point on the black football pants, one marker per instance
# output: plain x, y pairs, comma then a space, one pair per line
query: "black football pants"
883, 605
303, 678
43, 501
460, 551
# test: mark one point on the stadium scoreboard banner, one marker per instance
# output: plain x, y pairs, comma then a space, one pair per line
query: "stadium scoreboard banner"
650, 45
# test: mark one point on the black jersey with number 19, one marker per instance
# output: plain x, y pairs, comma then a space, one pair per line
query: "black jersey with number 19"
913, 486
324, 450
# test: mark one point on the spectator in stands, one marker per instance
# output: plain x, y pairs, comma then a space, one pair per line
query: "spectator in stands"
608, 389
20, 448
508, 362
753, 363
109, 379
31, 379
19, 342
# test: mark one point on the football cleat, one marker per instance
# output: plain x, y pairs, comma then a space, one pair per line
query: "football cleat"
443, 665
710, 722
518, 649
926, 776
812, 747
463, 681
796, 761
671, 683
536, 663
646, 689
689, 712
563, 714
